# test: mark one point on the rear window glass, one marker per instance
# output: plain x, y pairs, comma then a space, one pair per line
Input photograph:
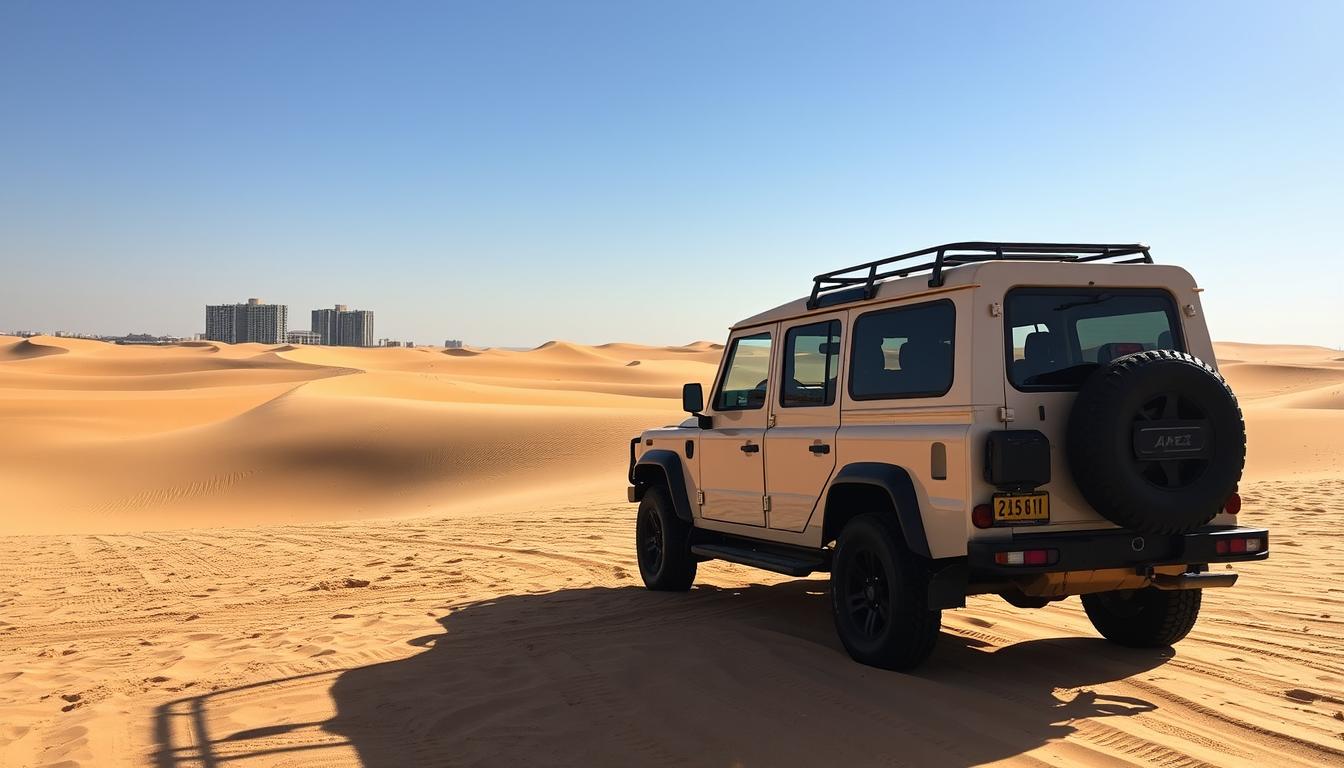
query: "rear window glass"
1056, 338
903, 352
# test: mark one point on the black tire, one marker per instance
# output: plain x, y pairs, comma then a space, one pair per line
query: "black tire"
1143, 618
663, 544
879, 597
1167, 492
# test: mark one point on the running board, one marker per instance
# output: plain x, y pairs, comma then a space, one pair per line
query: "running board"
789, 564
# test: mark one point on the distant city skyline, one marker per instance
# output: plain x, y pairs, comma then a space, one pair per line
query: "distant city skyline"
268, 323
599, 171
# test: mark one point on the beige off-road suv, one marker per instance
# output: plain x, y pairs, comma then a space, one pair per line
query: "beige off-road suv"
1031, 420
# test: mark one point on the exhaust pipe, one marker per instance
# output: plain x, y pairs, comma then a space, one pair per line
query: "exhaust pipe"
1194, 580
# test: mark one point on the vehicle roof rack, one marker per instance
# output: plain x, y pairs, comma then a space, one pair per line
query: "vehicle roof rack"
860, 281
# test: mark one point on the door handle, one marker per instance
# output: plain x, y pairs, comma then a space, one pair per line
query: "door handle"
819, 448
750, 448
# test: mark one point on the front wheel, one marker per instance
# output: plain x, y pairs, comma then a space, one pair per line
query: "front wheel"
1143, 618
663, 544
879, 597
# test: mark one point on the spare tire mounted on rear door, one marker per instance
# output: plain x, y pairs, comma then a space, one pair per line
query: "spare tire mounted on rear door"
1156, 442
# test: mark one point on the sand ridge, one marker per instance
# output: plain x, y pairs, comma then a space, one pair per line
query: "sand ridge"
257, 555
1293, 398
218, 434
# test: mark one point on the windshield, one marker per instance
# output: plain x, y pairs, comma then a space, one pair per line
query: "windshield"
1056, 337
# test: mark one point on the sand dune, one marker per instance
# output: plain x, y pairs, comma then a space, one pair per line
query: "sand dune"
245, 434
265, 555
1293, 397
29, 349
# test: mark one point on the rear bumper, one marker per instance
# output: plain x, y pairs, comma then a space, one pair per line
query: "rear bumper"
1096, 550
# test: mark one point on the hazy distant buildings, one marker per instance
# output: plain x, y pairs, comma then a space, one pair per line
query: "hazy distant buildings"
453, 344
269, 324
142, 339
253, 321
342, 327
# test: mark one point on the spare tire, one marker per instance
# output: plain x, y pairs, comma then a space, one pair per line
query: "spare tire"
1156, 442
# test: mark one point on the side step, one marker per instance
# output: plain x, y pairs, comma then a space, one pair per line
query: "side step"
789, 564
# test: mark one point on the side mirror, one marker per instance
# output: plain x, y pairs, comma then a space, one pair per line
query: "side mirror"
692, 398
693, 402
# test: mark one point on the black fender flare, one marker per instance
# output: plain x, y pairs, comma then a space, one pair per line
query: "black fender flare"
668, 464
898, 485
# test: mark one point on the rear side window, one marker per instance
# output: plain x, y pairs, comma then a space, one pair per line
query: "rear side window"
811, 365
745, 378
903, 352
1057, 337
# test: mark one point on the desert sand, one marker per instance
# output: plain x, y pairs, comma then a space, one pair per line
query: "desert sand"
267, 556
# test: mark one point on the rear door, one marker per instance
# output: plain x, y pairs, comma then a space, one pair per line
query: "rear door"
800, 446
1056, 337
732, 459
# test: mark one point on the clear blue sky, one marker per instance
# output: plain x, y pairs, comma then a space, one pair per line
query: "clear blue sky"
511, 172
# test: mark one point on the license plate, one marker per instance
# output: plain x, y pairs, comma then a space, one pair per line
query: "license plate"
1021, 508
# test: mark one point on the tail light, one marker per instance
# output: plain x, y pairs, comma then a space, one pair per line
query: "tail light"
1239, 546
1027, 557
982, 516
1233, 504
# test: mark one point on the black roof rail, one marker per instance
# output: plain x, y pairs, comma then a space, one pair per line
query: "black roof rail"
860, 281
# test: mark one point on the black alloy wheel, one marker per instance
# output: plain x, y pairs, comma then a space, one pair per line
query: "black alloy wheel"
1143, 618
867, 594
879, 596
663, 543
651, 540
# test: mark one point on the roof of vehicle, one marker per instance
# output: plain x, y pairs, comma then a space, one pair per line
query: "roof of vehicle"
963, 274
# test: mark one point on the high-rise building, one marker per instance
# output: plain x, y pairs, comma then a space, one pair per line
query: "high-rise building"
253, 321
303, 337
326, 324
344, 327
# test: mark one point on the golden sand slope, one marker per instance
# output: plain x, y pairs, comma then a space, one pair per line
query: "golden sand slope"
515, 632
104, 438
1294, 400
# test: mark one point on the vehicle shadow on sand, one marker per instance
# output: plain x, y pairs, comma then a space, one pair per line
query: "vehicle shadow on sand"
750, 676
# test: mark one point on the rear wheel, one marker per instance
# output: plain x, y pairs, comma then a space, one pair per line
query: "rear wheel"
663, 544
1143, 618
879, 597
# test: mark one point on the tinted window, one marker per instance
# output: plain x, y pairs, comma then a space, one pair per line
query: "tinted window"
748, 366
904, 352
1057, 337
811, 363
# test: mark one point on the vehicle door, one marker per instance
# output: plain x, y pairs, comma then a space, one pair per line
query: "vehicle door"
732, 466
799, 445
1055, 339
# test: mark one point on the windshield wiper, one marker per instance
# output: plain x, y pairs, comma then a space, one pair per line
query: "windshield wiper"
1085, 302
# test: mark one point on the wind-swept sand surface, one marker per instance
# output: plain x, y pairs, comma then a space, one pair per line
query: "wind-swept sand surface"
260, 556
102, 438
